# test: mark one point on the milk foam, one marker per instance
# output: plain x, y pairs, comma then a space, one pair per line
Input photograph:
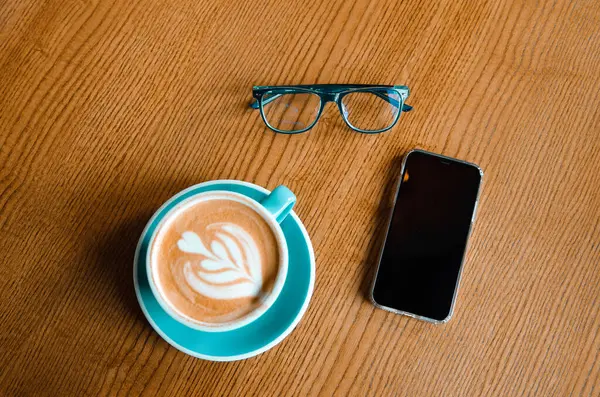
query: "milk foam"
230, 267
216, 260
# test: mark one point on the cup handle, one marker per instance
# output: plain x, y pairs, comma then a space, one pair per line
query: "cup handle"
279, 203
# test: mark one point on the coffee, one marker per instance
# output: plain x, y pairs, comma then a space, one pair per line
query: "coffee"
215, 259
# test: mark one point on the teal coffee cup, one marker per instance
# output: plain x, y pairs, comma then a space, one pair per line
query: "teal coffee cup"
218, 260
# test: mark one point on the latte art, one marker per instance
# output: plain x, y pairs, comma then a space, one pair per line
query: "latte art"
215, 260
231, 268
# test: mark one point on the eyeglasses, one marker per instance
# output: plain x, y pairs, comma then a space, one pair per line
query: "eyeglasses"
369, 109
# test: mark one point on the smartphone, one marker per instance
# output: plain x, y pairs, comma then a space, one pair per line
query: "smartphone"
426, 241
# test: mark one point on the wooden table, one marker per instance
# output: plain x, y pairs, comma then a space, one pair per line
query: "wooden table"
109, 107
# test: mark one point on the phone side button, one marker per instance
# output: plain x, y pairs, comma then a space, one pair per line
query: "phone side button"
475, 211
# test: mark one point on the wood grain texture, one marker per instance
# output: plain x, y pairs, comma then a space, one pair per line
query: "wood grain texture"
109, 107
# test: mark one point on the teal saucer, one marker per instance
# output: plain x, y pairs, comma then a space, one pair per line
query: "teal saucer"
261, 335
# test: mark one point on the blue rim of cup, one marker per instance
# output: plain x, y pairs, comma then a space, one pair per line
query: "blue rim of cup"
249, 354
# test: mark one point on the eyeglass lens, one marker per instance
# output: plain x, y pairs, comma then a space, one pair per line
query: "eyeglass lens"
290, 112
371, 110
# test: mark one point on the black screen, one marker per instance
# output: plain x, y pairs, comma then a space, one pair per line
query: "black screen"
427, 238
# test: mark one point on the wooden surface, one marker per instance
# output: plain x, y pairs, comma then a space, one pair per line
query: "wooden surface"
109, 107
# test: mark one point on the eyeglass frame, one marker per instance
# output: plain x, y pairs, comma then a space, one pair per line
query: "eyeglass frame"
328, 93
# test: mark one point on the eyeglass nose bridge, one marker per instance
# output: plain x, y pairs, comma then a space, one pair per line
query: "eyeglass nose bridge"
329, 97
334, 97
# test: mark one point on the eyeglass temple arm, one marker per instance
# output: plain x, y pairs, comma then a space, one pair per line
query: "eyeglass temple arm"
255, 105
392, 101
405, 108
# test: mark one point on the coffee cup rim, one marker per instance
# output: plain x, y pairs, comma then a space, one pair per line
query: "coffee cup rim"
281, 274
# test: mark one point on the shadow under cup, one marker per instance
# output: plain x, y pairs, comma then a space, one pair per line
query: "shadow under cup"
273, 210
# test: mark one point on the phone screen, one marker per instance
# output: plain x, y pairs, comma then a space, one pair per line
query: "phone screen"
426, 241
